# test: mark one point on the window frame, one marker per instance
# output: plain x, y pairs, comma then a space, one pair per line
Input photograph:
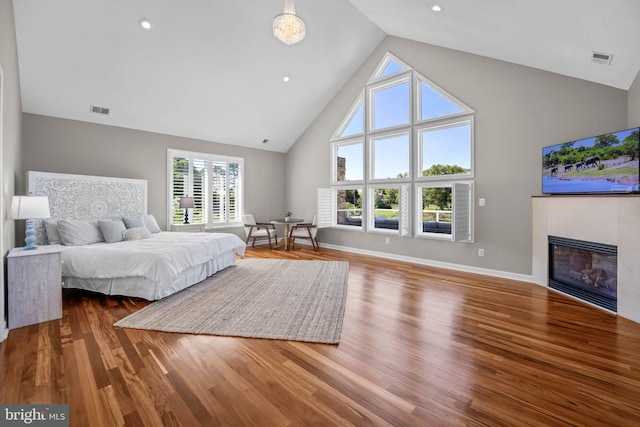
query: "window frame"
403, 209
441, 124
210, 160
383, 84
334, 160
456, 220
372, 138
334, 207
411, 209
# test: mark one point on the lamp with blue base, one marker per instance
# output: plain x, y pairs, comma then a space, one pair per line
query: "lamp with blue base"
30, 208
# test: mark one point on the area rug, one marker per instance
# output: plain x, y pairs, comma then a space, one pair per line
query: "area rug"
257, 298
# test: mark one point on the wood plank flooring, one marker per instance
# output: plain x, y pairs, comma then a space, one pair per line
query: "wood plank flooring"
420, 346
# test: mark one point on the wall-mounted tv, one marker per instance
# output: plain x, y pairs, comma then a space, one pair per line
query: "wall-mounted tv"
601, 164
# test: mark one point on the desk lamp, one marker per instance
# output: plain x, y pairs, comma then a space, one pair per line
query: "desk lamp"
186, 203
30, 208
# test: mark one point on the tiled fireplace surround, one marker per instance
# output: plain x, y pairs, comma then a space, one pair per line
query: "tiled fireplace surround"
608, 219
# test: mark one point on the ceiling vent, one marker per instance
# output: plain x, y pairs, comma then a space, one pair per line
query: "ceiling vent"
601, 58
98, 110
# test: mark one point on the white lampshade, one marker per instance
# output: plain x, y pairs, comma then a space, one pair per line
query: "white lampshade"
30, 207
186, 202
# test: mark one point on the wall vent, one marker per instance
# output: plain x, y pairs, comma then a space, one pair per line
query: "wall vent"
601, 58
98, 110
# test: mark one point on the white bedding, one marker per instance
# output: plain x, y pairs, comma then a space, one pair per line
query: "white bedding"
161, 261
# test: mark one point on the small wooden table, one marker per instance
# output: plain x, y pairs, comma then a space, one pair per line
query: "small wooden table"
284, 243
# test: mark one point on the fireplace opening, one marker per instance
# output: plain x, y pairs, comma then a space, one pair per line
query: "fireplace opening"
585, 270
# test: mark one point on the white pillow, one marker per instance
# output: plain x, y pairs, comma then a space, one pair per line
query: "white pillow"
134, 221
77, 232
136, 233
112, 230
152, 224
51, 227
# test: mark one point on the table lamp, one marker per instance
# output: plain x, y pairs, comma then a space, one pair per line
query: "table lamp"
186, 203
30, 208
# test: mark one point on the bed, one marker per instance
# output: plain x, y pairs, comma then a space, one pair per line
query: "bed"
111, 245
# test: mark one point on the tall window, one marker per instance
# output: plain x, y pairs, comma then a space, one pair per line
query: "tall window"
404, 135
214, 182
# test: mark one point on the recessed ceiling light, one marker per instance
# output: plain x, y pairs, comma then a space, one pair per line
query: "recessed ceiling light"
286, 79
436, 8
145, 24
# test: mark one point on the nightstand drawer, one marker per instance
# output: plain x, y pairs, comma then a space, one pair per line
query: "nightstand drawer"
188, 228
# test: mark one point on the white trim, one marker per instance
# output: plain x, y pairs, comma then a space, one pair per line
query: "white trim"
371, 142
386, 60
435, 126
431, 263
4, 330
345, 122
334, 161
372, 89
419, 79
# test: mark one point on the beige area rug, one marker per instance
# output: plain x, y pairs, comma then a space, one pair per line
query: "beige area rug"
258, 298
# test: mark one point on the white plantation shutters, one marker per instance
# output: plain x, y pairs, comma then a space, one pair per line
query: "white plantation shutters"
235, 188
219, 193
405, 213
462, 212
179, 187
199, 174
214, 182
325, 211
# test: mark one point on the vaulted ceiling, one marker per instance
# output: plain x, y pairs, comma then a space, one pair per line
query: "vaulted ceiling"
212, 70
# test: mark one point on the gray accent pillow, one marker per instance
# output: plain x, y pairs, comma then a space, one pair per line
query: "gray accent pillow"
112, 230
51, 227
136, 233
134, 221
152, 224
77, 232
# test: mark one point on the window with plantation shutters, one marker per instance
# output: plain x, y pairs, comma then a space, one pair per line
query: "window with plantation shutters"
214, 182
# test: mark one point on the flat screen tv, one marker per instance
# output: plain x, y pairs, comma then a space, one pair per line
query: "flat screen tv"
601, 164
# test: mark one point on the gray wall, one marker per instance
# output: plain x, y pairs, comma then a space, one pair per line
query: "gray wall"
10, 119
518, 111
634, 103
68, 146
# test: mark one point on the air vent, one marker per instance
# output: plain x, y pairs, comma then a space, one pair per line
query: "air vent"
98, 110
601, 58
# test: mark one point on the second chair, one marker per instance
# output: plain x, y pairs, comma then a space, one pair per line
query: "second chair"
260, 230
305, 231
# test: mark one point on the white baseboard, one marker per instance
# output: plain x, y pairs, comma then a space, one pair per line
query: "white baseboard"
458, 267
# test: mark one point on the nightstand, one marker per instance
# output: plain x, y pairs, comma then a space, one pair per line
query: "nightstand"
35, 285
188, 228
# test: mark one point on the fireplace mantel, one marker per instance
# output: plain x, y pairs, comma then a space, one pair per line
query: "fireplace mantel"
608, 219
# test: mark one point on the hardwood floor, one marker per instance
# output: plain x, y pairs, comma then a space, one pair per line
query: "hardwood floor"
420, 346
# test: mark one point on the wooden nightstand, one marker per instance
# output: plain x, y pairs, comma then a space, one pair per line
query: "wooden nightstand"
35, 285
188, 228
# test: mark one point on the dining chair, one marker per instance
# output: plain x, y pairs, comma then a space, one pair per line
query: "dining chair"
258, 230
305, 231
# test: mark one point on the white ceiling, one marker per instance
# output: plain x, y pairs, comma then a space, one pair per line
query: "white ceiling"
211, 69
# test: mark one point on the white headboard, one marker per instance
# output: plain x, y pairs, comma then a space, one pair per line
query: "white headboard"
87, 197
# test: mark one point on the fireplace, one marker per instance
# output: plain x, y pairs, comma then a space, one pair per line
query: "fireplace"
584, 270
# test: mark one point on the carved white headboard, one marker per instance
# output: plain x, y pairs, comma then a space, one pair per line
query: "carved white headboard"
87, 197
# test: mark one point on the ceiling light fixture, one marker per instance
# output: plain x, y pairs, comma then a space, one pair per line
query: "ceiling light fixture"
286, 79
436, 8
145, 24
288, 27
